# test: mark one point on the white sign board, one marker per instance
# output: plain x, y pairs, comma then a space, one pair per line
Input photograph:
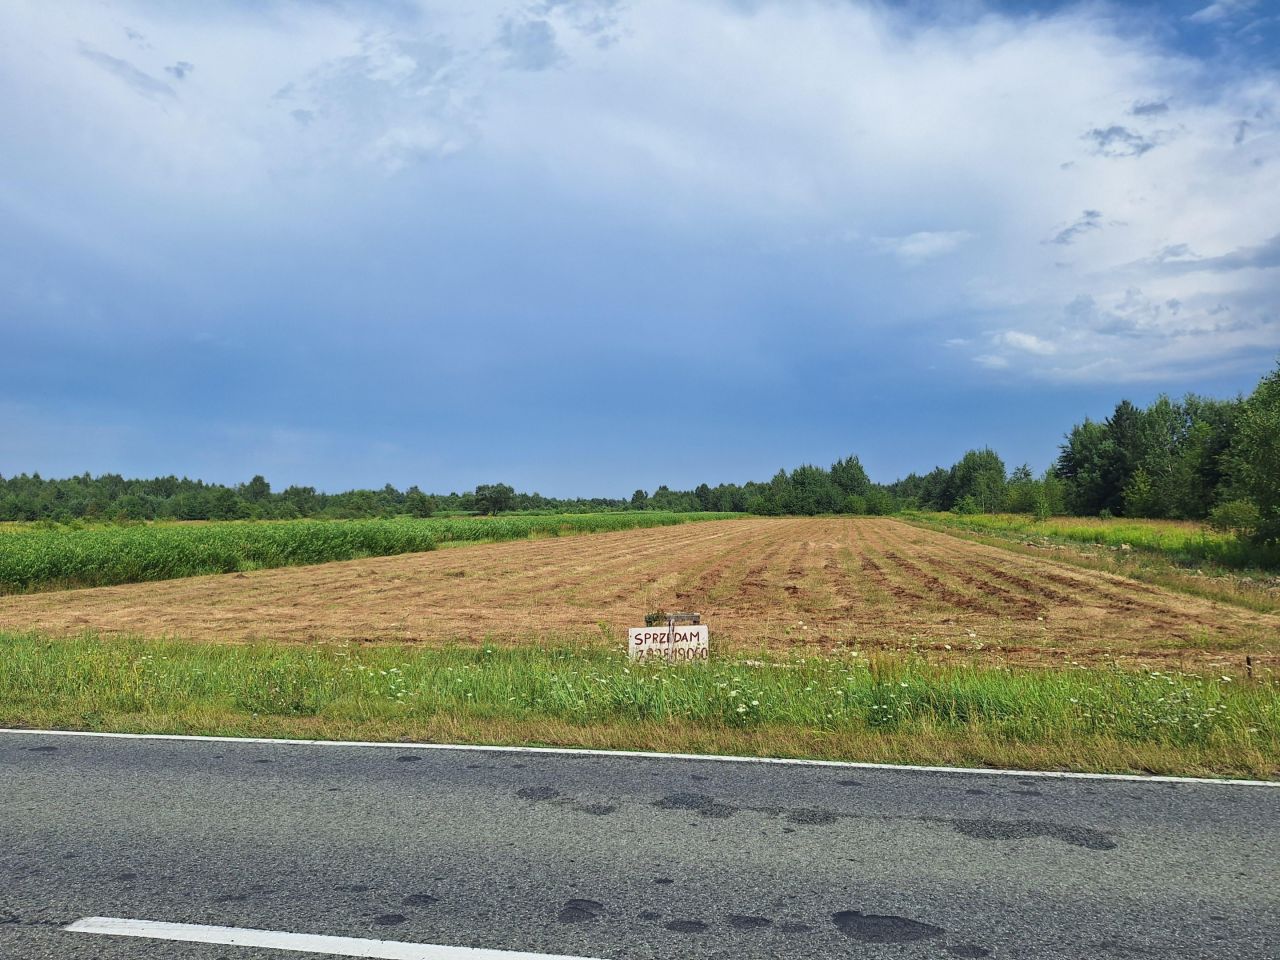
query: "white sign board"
671, 643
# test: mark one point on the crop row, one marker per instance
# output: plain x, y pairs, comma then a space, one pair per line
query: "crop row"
41, 559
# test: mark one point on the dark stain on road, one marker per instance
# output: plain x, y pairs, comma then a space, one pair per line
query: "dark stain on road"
740, 922
663, 880
125, 877
580, 911
231, 898
848, 783
976, 793
352, 888
389, 919
649, 915
883, 928
1027, 793
596, 809
969, 951
419, 900
1029, 829
408, 758
687, 926
537, 794
699, 803
41, 749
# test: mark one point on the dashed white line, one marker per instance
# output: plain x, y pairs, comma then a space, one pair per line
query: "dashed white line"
297, 942
651, 755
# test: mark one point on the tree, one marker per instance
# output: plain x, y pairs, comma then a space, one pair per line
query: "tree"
1254, 456
849, 476
703, 495
979, 475
1088, 465
492, 498
639, 500
256, 490
418, 503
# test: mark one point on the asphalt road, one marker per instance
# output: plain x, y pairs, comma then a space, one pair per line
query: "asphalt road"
615, 857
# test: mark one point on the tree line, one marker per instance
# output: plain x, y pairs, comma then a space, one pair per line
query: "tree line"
1196, 458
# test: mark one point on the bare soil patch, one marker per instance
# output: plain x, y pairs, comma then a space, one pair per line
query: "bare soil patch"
773, 583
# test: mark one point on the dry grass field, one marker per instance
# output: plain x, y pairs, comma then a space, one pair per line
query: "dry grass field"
760, 583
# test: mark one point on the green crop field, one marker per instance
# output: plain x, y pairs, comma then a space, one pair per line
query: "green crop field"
34, 557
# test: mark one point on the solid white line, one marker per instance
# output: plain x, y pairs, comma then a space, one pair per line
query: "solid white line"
298, 942
653, 755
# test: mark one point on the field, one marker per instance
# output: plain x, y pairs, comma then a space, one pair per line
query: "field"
1180, 554
38, 557
762, 583
832, 637
1183, 541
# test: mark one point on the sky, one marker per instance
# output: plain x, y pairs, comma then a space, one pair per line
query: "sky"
585, 246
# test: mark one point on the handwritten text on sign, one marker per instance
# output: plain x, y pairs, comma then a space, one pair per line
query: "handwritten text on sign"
674, 643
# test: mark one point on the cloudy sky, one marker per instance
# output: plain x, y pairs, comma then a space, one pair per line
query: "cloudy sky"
586, 245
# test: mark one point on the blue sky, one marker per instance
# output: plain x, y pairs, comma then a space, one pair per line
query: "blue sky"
586, 245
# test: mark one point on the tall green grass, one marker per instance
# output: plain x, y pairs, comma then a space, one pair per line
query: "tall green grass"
1178, 541
37, 558
187, 687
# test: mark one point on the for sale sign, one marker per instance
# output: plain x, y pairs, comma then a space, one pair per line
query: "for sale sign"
669, 642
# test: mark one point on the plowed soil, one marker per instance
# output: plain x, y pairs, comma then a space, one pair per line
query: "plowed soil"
759, 583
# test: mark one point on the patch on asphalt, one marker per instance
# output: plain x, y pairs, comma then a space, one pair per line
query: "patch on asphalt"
580, 911
968, 951
537, 793
883, 928
1029, 829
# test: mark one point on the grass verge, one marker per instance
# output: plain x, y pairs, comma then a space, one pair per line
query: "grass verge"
850, 708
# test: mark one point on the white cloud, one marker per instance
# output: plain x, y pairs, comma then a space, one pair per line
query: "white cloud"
923, 245
1222, 10
1027, 342
755, 123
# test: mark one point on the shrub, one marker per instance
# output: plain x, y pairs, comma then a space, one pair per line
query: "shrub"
1240, 517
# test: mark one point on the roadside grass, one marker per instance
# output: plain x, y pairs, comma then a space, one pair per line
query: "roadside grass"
46, 557
1175, 554
584, 695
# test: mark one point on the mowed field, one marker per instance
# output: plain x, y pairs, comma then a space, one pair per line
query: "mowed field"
760, 583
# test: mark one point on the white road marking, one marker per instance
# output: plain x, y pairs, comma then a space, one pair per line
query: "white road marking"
298, 942
650, 755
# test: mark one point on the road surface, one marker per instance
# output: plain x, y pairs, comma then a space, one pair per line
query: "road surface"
616, 857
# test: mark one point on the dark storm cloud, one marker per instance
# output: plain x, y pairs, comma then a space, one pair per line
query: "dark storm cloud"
180, 69
1089, 220
1180, 260
1118, 141
1150, 108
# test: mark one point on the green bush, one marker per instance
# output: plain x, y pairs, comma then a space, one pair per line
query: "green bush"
1240, 517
